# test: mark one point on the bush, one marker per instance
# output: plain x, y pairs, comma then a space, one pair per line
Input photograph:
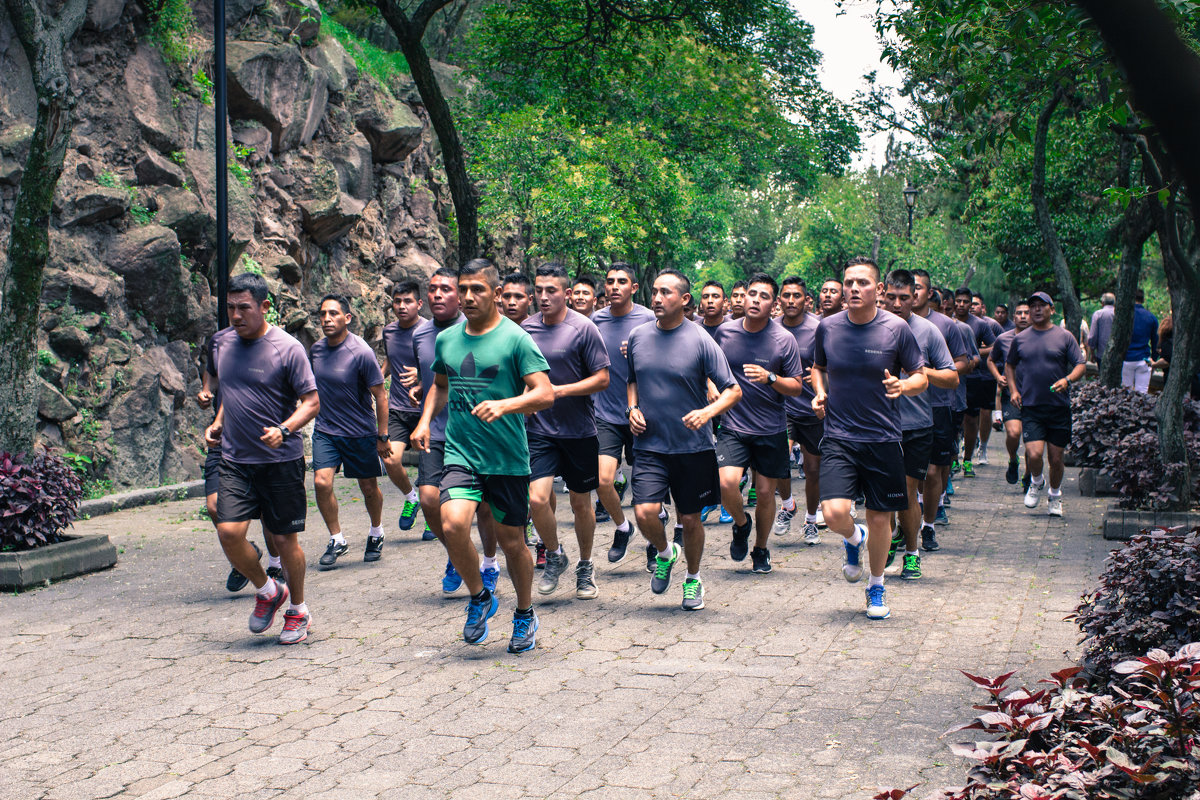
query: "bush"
1103, 417
1137, 740
1149, 597
38, 500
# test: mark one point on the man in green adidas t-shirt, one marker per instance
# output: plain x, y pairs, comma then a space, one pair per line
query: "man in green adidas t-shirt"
488, 373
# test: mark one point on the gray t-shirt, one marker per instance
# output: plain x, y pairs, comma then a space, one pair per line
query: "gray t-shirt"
968, 338
261, 381
761, 410
670, 369
711, 330
1041, 358
999, 354
854, 358
983, 335
804, 334
345, 374
575, 351
959, 348
611, 403
916, 412
423, 340
398, 347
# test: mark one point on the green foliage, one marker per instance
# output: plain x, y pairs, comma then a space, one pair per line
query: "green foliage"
203, 86
46, 358
250, 265
172, 25
78, 462
139, 212
383, 65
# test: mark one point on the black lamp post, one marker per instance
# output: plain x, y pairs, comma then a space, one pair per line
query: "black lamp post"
222, 154
910, 200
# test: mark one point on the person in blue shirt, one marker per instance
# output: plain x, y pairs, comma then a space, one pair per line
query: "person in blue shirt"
1143, 347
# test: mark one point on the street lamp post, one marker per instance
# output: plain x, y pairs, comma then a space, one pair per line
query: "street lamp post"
910, 200
222, 154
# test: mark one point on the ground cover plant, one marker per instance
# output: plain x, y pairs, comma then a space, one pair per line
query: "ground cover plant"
39, 498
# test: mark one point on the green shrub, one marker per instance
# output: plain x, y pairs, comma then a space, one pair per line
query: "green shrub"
171, 27
383, 65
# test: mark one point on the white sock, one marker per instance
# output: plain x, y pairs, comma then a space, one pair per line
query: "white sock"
269, 588
301, 609
920, 497
489, 563
912, 553
624, 527
927, 525
790, 504
337, 537
666, 553
809, 517
1039, 481
691, 576
1054, 492
559, 551
942, 501
273, 561
413, 496
375, 532
874, 581
858, 536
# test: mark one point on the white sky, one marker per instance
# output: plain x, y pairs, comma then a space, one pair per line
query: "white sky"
850, 49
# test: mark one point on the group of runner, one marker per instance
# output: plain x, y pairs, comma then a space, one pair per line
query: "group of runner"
864, 383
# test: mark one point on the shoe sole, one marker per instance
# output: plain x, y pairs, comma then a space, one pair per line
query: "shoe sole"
699, 606
588, 595
758, 571
326, 567
885, 616
373, 557
904, 577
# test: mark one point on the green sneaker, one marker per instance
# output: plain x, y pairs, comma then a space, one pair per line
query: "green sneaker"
897, 541
408, 514
912, 567
751, 498
968, 470
693, 594
662, 570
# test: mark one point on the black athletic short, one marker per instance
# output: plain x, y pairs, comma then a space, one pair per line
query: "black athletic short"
356, 456
212, 469
507, 495
1046, 424
401, 424
872, 470
807, 432
981, 395
272, 492
431, 465
1008, 411
941, 450
689, 479
574, 459
918, 446
767, 455
615, 440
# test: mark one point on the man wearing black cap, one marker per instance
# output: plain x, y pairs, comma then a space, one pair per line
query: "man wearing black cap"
1043, 361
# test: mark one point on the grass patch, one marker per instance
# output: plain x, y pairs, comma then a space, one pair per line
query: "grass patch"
383, 65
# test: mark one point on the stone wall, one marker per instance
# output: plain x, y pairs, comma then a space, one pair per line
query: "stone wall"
340, 191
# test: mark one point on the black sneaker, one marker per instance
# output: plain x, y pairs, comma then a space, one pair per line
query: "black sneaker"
1025, 479
374, 550
328, 559
761, 557
621, 486
678, 538
651, 558
620, 545
1010, 474
236, 580
741, 540
897, 540
602, 514
277, 574
929, 540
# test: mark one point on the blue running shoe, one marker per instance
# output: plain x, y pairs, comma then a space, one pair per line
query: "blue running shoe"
726, 517
475, 630
490, 576
877, 603
704, 512
852, 569
427, 535
941, 518
408, 514
452, 580
524, 628
950, 487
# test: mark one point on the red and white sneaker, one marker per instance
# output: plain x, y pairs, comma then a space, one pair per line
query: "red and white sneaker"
265, 608
295, 627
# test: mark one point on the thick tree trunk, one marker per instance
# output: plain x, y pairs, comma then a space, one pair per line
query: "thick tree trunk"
1185, 308
410, 31
44, 39
1070, 305
1137, 225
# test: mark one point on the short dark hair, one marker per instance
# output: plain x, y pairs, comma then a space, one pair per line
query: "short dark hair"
480, 266
922, 273
1139, 296
1002, 305
862, 261
519, 278
762, 277
250, 282
623, 266
977, 294
678, 276
1020, 303
341, 300
795, 280
963, 291
406, 286
901, 279
838, 281
935, 297
717, 284
553, 269
445, 272
586, 280
738, 285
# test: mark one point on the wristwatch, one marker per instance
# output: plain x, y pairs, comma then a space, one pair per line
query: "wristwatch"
283, 430
629, 411
771, 378
381, 438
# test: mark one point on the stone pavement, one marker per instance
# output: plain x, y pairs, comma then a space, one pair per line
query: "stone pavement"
144, 682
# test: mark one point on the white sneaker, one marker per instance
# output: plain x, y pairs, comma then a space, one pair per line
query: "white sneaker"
1055, 506
853, 510
820, 518
811, 537
1033, 495
982, 459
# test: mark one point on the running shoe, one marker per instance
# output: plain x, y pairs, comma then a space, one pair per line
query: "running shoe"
1054, 505
585, 581
328, 559
662, 570
374, 549
949, 487
954, 467
877, 603
704, 512
912, 567
783, 521
663, 515
236, 581
490, 577
760, 558
853, 509
929, 541
725, 517
820, 517
678, 537
427, 535
1025, 480
968, 470
811, 534
742, 483
602, 514
693, 594
621, 485
408, 514
982, 458
451, 580
1010, 474
560, 485
295, 627
556, 565
651, 558
941, 518
896, 543
263, 615
479, 611
740, 544
852, 568
751, 498
539, 561
277, 574
1032, 497
524, 628
620, 545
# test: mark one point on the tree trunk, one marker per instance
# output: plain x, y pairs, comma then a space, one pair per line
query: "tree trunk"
44, 39
1137, 225
1072, 310
410, 32
1185, 308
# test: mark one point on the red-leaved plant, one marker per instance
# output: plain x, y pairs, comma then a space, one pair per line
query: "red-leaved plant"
38, 500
